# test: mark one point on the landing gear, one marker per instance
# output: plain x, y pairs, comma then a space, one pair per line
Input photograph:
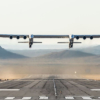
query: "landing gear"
30, 46
30, 42
70, 45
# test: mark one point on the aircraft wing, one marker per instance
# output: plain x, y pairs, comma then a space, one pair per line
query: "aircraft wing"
87, 36
35, 36
51, 36
13, 35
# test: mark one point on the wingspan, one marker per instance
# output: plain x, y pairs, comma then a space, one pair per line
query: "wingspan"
71, 38
48, 36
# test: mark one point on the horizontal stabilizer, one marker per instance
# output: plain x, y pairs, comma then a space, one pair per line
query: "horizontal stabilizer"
24, 42
37, 42
28, 42
63, 42
77, 42
69, 42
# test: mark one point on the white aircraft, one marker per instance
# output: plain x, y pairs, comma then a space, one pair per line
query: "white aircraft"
31, 38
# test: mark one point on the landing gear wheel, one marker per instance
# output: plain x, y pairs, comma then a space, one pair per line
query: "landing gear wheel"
29, 46
71, 46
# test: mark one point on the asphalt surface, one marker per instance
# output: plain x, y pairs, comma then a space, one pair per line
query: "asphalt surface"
50, 88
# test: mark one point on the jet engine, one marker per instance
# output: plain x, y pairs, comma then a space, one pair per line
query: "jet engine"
11, 37
91, 37
77, 37
84, 37
24, 37
17, 37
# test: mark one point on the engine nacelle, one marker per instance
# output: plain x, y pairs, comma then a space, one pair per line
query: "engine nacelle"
17, 37
11, 37
84, 37
24, 37
77, 37
91, 37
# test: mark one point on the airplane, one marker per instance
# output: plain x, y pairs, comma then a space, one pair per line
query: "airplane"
31, 38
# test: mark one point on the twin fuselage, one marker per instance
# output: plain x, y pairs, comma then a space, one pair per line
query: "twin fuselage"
31, 37
71, 40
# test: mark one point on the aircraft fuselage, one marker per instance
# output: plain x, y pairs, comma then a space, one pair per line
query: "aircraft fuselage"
71, 42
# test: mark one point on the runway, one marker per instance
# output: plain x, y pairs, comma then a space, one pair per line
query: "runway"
50, 88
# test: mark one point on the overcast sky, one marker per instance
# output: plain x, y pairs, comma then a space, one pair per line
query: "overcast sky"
49, 17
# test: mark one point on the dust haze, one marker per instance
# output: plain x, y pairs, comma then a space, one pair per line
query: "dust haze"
83, 67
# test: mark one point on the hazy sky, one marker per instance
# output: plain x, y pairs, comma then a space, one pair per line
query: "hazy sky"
49, 17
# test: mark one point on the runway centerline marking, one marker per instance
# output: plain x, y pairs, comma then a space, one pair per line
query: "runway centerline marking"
26, 98
9, 89
10, 98
87, 98
55, 88
69, 97
43, 97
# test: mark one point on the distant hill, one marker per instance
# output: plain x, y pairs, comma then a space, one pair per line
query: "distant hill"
40, 52
4, 54
66, 54
34, 53
93, 50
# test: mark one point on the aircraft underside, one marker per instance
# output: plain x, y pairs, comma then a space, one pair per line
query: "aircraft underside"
31, 38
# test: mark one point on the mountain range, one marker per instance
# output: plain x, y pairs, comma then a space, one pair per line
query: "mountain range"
46, 54
4, 54
66, 54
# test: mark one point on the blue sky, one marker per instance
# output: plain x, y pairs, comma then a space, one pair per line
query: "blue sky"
49, 17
